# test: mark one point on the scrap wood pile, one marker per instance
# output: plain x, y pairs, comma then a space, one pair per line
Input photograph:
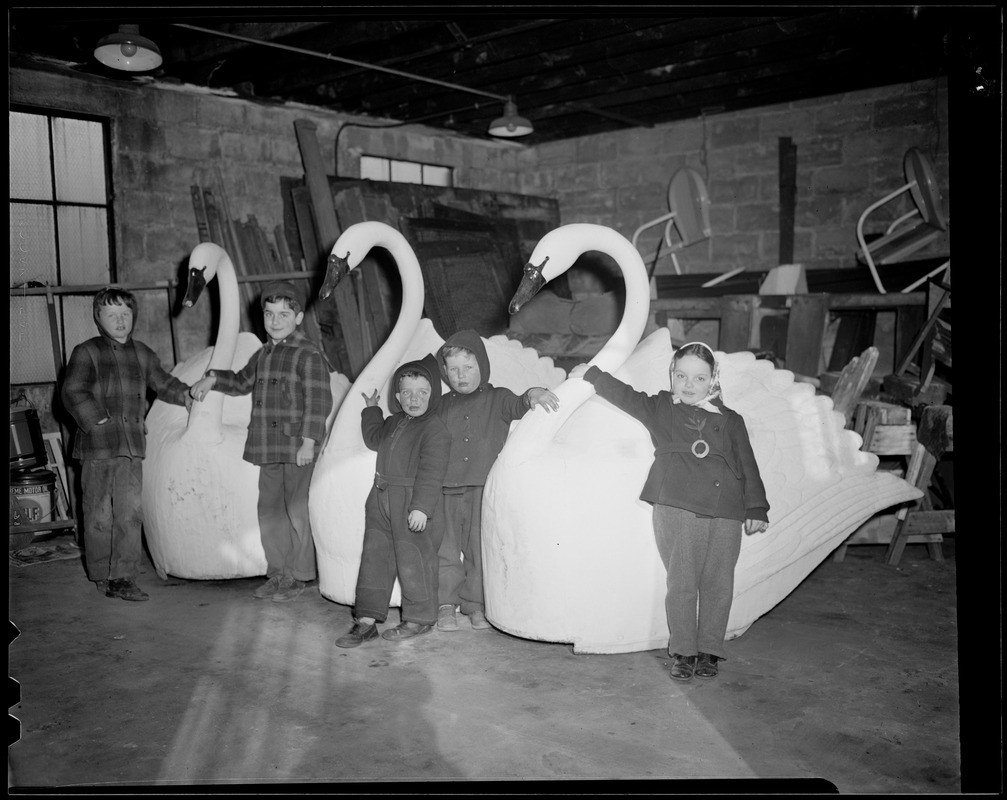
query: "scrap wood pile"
247, 244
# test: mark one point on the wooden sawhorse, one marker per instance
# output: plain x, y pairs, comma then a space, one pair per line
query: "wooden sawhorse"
934, 438
887, 430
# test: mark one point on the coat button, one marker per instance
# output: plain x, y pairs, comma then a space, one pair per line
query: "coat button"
466, 458
716, 483
272, 424
465, 439
258, 403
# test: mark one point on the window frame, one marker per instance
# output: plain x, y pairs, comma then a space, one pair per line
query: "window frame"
57, 347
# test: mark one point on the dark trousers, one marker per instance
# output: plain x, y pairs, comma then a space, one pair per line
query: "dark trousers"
700, 554
393, 551
113, 517
460, 554
284, 524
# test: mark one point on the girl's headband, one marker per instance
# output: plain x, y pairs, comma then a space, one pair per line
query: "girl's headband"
701, 344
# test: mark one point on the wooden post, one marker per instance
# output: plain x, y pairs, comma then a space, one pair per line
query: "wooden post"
788, 198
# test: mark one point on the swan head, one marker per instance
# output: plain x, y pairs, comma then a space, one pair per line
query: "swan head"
194, 285
532, 282
336, 269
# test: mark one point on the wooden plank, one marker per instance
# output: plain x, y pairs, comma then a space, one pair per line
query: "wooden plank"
805, 333
202, 224
887, 413
314, 259
290, 223
328, 232
906, 389
461, 263
736, 316
930, 521
284, 258
892, 440
852, 381
377, 304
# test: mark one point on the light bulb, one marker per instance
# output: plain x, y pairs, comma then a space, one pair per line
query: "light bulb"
128, 49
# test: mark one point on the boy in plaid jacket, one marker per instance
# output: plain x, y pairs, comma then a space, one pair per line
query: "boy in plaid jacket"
291, 400
105, 391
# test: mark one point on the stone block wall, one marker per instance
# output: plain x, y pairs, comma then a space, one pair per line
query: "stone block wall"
165, 138
850, 149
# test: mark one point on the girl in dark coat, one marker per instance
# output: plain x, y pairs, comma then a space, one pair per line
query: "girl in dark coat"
705, 487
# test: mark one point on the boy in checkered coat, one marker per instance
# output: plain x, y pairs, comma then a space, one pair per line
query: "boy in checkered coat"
291, 399
105, 391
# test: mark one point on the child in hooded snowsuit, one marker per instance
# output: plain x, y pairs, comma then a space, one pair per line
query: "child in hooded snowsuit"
401, 531
478, 415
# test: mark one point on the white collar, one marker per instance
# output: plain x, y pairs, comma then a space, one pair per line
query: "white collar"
706, 405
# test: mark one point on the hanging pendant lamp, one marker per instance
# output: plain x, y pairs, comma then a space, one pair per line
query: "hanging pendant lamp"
511, 124
128, 51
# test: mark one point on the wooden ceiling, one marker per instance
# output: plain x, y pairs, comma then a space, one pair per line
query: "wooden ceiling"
571, 76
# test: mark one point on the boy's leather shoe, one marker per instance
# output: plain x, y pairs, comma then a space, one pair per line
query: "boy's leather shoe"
358, 634
407, 630
706, 666
125, 589
446, 620
268, 589
683, 668
478, 620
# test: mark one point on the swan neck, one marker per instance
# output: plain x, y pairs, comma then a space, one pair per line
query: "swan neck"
377, 371
206, 417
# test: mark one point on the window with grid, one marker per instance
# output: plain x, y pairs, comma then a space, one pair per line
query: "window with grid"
60, 235
375, 168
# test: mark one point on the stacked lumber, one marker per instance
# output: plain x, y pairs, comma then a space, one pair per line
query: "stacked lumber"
256, 257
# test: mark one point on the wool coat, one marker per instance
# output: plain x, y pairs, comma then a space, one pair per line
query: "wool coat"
291, 397
109, 379
726, 483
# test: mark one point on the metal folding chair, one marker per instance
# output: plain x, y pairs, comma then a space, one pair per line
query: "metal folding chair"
911, 231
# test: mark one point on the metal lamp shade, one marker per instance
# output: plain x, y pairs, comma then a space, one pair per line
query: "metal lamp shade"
127, 50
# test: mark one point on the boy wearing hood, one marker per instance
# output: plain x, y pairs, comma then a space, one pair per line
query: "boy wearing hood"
105, 390
478, 415
402, 530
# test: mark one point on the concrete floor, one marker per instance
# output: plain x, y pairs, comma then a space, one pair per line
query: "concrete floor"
852, 679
